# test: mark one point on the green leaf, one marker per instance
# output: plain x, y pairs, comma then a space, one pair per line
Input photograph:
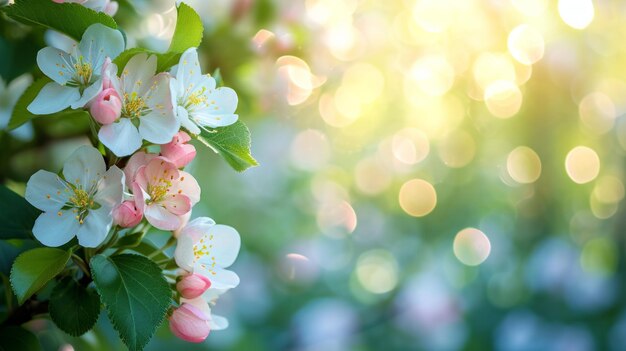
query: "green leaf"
189, 29
20, 114
73, 307
16, 215
17, 338
134, 293
69, 18
233, 143
34, 268
130, 240
10, 249
147, 249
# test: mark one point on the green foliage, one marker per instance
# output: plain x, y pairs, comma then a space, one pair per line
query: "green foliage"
69, 18
189, 29
73, 307
34, 268
17, 338
233, 143
130, 240
16, 215
187, 34
21, 114
146, 249
10, 249
134, 293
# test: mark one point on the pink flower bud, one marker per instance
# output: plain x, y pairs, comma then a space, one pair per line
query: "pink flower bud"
193, 285
127, 215
190, 323
111, 8
106, 108
178, 151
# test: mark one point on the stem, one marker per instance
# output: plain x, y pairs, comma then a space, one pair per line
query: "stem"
171, 241
81, 264
111, 241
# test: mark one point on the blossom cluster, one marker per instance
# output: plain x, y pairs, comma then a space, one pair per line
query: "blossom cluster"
135, 109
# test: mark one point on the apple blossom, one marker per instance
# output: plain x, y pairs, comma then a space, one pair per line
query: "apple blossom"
196, 100
178, 151
76, 75
9, 94
80, 203
208, 249
193, 285
164, 193
127, 214
106, 108
147, 112
190, 323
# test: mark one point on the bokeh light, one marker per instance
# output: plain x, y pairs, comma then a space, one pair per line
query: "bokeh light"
582, 164
417, 197
577, 14
471, 246
523, 165
377, 271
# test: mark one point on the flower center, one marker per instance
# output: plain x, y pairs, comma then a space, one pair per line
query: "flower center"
81, 202
157, 192
83, 71
203, 249
133, 105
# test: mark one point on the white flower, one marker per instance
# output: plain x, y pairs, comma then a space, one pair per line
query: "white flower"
76, 75
8, 98
80, 203
198, 104
208, 249
146, 108
215, 322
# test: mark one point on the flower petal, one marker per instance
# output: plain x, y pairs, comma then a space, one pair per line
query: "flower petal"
54, 230
177, 204
17, 87
183, 255
197, 228
220, 278
188, 66
46, 191
187, 185
99, 42
53, 98
84, 167
95, 227
183, 117
91, 92
138, 73
137, 160
161, 218
25, 132
56, 64
223, 243
225, 100
110, 188
218, 322
121, 137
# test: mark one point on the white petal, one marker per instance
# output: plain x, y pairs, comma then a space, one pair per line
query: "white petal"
218, 322
183, 117
224, 243
161, 218
207, 118
220, 278
121, 137
138, 73
53, 98
212, 294
95, 227
84, 167
17, 87
56, 64
188, 66
43, 184
99, 42
25, 132
91, 92
184, 253
225, 100
110, 188
54, 230
58, 40
198, 227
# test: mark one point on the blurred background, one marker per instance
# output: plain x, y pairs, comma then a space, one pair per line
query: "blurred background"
435, 174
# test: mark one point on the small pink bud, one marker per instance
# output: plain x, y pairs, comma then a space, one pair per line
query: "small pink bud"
106, 74
106, 108
127, 215
178, 151
190, 323
58, 1
111, 8
193, 285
